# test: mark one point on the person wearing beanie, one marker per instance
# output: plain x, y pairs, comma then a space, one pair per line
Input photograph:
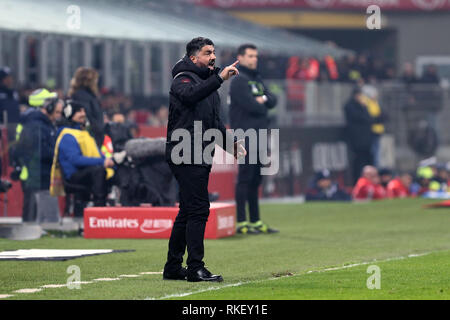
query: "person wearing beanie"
35, 146
323, 188
78, 161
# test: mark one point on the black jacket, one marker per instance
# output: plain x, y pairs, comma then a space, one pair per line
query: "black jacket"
35, 149
9, 102
94, 113
359, 126
245, 111
333, 193
194, 97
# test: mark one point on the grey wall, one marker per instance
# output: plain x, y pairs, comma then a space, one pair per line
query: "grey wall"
420, 34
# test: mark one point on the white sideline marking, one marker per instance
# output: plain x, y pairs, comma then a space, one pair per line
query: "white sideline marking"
28, 290
81, 282
179, 295
151, 272
48, 286
367, 262
54, 286
106, 279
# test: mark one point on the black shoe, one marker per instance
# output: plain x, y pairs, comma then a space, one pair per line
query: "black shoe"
203, 275
180, 275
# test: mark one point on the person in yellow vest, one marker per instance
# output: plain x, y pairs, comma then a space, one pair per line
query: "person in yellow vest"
370, 100
78, 160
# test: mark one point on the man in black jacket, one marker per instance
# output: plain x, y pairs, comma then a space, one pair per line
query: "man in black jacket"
359, 132
9, 102
250, 102
194, 102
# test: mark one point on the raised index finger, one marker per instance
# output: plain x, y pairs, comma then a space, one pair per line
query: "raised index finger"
235, 63
234, 70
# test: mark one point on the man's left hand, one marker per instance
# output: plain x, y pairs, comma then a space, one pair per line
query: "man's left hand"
239, 150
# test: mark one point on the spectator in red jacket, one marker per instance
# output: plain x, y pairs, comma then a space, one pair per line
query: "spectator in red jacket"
399, 187
368, 186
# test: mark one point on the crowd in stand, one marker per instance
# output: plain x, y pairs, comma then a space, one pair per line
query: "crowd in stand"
431, 180
111, 103
350, 68
355, 69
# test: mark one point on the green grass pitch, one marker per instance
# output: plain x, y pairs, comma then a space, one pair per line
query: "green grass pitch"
313, 237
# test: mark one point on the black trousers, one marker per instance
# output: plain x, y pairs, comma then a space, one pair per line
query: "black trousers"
361, 159
247, 186
189, 226
29, 204
94, 179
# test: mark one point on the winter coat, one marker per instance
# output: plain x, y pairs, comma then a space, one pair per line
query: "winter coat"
245, 111
194, 97
35, 149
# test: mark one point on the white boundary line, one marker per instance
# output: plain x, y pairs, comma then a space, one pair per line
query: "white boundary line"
179, 295
51, 286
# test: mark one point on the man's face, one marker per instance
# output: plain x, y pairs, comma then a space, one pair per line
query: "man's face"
324, 183
385, 178
408, 68
57, 113
118, 118
249, 59
8, 82
406, 180
371, 174
79, 117
206, 57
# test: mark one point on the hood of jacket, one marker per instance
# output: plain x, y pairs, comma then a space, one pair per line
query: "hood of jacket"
69, 125
26, 115
186, 64
37, 115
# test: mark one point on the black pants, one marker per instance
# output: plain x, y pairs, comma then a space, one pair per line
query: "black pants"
29, 204
189, 226
94, 179
247, 186
362, 158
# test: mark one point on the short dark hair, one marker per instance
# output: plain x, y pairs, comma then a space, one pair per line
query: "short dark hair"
243, 47
196, 45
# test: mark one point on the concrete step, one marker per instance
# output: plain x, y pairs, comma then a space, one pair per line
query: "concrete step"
22, 231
